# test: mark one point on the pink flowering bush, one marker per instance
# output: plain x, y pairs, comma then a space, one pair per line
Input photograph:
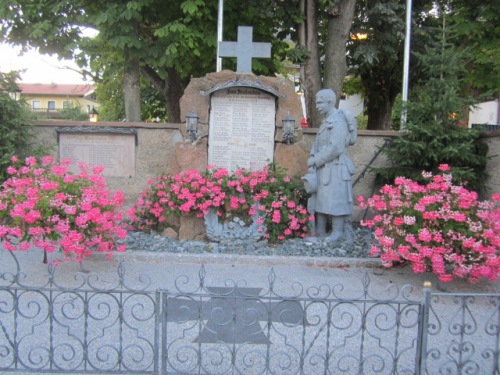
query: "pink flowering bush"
438, 227
44, 205
278, 199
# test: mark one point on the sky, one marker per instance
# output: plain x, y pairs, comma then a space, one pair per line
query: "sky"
39, 68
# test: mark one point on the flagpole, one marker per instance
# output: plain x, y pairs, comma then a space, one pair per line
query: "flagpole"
219, 33
406, 65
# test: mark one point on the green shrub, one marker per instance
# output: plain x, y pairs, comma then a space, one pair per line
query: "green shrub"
431, 135
15, 123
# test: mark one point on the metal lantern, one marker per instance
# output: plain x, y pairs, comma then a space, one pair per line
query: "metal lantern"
93, 115
288, 129
192, 125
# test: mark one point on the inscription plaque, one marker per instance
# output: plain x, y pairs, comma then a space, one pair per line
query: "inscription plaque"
242, 126
115, 152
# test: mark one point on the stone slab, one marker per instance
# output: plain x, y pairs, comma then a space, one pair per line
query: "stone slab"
115, 152
242, 126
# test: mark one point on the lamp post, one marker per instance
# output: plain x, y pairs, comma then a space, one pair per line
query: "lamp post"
93, 115
192, 125
288, 128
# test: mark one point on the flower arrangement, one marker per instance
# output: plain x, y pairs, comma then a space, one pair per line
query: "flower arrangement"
277, 197
45, 205
438, 227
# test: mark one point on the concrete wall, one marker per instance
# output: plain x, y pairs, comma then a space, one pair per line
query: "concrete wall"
159, 146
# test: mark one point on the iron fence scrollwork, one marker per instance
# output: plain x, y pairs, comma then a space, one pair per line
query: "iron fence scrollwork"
200, 327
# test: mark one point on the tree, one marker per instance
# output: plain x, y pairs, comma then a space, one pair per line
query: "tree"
308, 56
15, 122
477, 36
168, 47
55, 28
433, 137
323, 30
340, 18
377, 59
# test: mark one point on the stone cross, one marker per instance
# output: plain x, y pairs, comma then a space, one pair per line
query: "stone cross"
244, 49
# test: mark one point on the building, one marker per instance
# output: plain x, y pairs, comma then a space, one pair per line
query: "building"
49, 99
485, 116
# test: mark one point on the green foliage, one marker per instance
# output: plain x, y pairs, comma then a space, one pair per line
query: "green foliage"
397, 111
362, 122
110, 96
15, 123
153, 106
353, 85
432, 136
426, 146
74, 113
378, 59
298, 54
476, 26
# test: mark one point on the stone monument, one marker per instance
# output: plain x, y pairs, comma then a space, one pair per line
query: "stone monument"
240, 116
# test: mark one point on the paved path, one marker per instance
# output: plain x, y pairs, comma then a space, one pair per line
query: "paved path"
164, 268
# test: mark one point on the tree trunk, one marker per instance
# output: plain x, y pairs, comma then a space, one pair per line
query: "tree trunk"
310, 72
173, 95
381, 91
379, 115
170, 88
339, 26
132, 88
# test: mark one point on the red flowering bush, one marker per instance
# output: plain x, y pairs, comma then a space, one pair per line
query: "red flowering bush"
278, 199
44, 205
436, 227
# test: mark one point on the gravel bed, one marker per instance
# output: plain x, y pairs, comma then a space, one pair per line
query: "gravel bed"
308, 247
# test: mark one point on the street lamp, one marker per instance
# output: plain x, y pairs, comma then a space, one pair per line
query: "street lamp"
93, 115
192, 125
288, 128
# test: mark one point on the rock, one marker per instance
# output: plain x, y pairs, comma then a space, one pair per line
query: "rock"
170, 233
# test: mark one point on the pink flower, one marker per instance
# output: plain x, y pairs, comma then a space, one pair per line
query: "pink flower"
30, 160
444, 167
276, 216
47, 160
430, 215
459, 217
59, 170
398, 221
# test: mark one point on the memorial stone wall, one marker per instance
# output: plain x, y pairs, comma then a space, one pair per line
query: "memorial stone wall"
241, 130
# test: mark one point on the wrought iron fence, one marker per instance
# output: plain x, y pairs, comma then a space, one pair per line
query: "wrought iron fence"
85, 328
235, 328
461, 334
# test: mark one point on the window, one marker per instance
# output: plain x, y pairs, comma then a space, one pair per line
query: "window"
35, 105
51, 105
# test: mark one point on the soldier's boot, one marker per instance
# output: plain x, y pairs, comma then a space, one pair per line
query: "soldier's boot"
337, 233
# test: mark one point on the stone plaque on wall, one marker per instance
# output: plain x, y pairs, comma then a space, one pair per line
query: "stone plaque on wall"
115, 152
241, 128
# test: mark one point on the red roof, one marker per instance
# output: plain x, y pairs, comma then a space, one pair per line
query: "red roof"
55, 89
